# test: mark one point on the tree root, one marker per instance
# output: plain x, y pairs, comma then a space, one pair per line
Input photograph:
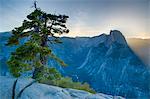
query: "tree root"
20, 93
13, 90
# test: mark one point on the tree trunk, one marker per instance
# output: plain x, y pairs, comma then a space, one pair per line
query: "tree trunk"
43, 59
37, 71
44, 44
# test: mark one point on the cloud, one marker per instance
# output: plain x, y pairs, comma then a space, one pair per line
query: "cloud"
87, 17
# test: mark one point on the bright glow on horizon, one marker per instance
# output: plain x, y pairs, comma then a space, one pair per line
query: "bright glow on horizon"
86, 17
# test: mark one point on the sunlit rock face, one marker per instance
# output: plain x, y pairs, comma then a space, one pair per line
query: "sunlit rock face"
106, 62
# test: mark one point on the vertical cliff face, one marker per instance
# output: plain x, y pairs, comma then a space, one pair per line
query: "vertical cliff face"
106, 62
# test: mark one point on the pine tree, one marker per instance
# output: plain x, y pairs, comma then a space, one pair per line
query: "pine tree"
40, 30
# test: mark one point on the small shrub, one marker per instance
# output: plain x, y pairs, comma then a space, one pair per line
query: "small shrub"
67, 82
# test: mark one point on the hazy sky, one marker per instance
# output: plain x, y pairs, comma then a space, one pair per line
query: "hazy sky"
87, 17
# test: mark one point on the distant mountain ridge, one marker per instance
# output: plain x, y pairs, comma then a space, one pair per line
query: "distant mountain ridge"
106, 62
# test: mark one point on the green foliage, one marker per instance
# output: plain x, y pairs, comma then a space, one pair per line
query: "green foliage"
48, 74
33, 54
67, 82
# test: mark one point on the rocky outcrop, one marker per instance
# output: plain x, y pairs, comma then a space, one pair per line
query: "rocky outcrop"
29, 89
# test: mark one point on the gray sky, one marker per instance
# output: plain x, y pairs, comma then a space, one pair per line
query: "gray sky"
87, 17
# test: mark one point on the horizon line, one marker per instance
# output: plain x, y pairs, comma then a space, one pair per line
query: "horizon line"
132, 37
